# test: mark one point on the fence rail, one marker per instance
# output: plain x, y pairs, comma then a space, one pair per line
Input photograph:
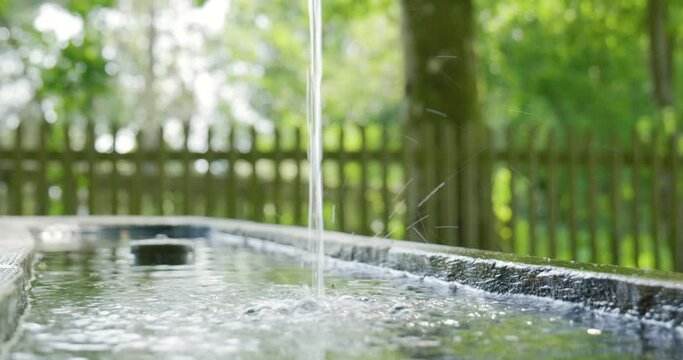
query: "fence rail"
551, 192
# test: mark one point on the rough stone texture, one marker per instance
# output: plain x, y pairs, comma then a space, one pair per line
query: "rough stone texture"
650, 295
16, 249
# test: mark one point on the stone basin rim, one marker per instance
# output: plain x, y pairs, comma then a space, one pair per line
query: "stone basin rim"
295, 234
648, 295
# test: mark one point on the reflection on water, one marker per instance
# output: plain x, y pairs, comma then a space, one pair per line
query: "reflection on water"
236, 302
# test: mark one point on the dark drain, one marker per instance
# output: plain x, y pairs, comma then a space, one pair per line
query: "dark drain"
161, 251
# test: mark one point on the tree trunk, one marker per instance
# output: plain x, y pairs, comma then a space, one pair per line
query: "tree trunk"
661, 53
441, 92
661, 67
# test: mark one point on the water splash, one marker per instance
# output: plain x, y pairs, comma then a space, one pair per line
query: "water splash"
258, 310
315, 153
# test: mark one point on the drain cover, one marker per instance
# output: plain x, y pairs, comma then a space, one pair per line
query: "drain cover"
161, 251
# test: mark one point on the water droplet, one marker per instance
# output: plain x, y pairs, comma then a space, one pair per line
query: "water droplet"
594, 331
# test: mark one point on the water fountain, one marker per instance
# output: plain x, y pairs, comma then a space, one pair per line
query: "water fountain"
315, 151
102, 288
241, 295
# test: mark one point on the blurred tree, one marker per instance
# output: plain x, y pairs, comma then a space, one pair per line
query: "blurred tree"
545, 61
441, 86
78, 76
569, 62
144, 63
661, 38
440, 65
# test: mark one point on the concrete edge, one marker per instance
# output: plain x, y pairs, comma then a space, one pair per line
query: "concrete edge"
648, 295
16, 257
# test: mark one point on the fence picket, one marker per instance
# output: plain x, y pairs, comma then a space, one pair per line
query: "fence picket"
469, 138
17, 195
655, 205
277, 180
161, 171
363, 195
340, 211
186, 191
231, 200
92, 167
533, 183
256, 211
615, 182
592, 195
486, 182
635, 183
452, 203
551, 193
674, 241
43, 202
573, 189
68, 184
209, 196
409, 157
615, 239
114, 171
428, 210
385, 160
298, 183
512, 165
135, 201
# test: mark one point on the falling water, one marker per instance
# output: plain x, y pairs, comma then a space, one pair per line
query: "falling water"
315, 153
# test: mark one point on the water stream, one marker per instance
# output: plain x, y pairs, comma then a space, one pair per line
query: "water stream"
315, 153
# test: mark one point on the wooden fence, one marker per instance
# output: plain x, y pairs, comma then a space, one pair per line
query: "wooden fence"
557, 193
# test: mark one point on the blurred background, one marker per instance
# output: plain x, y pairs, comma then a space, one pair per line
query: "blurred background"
541, 127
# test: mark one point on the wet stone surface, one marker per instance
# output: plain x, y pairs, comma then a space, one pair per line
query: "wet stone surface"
649, 295
237, 302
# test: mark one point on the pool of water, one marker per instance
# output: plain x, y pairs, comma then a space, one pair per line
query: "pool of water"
236, 302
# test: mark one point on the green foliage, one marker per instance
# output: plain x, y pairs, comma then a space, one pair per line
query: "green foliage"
583, 63
362, 80
80, 72
352, 9
83, 7
566, 62
5, 6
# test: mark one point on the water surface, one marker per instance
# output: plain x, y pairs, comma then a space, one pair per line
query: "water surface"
234, 302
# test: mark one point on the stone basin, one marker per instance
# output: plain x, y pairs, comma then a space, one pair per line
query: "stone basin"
651, 297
